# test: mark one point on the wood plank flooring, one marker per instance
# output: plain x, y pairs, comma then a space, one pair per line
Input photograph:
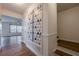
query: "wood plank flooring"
16, 50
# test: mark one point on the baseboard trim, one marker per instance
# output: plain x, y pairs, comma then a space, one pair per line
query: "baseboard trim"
33, 51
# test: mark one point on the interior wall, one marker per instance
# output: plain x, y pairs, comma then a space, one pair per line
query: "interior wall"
5, 11
45, 29
52, 27
68, 24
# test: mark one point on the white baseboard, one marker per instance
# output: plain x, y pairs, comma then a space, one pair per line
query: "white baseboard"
29, 47
33, 50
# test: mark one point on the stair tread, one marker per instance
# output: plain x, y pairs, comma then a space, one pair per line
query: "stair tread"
62, 53
69, 45
74, 53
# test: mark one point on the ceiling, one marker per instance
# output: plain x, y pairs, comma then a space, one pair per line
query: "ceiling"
65, 6
20, 8
17, 7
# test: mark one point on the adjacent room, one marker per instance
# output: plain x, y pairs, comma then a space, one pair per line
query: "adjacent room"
39, 29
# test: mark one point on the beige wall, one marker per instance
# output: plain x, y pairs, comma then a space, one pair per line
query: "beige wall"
68, 24
52, 28
5, 11
52, 16
49, 28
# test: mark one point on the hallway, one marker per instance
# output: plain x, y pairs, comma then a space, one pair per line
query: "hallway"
50, 29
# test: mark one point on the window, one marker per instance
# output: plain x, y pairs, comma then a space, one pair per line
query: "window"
13, 39
13, 28
19, 38
19, 29
0, 27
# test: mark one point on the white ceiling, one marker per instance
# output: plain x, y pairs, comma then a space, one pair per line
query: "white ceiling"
20, 8
65, 6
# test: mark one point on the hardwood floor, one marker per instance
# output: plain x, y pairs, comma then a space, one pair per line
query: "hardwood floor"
16, 50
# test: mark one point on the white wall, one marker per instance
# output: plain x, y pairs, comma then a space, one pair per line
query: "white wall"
45, 29
68, 24
52, 28
49, 28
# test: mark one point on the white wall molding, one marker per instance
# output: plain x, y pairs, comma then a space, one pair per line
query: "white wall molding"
28, 46
33, 51
50, 34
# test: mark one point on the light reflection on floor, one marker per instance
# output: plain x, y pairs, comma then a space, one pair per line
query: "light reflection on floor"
5, 42
12, 46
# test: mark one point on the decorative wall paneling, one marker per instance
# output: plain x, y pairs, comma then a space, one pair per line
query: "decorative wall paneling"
35, 25
41, 24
